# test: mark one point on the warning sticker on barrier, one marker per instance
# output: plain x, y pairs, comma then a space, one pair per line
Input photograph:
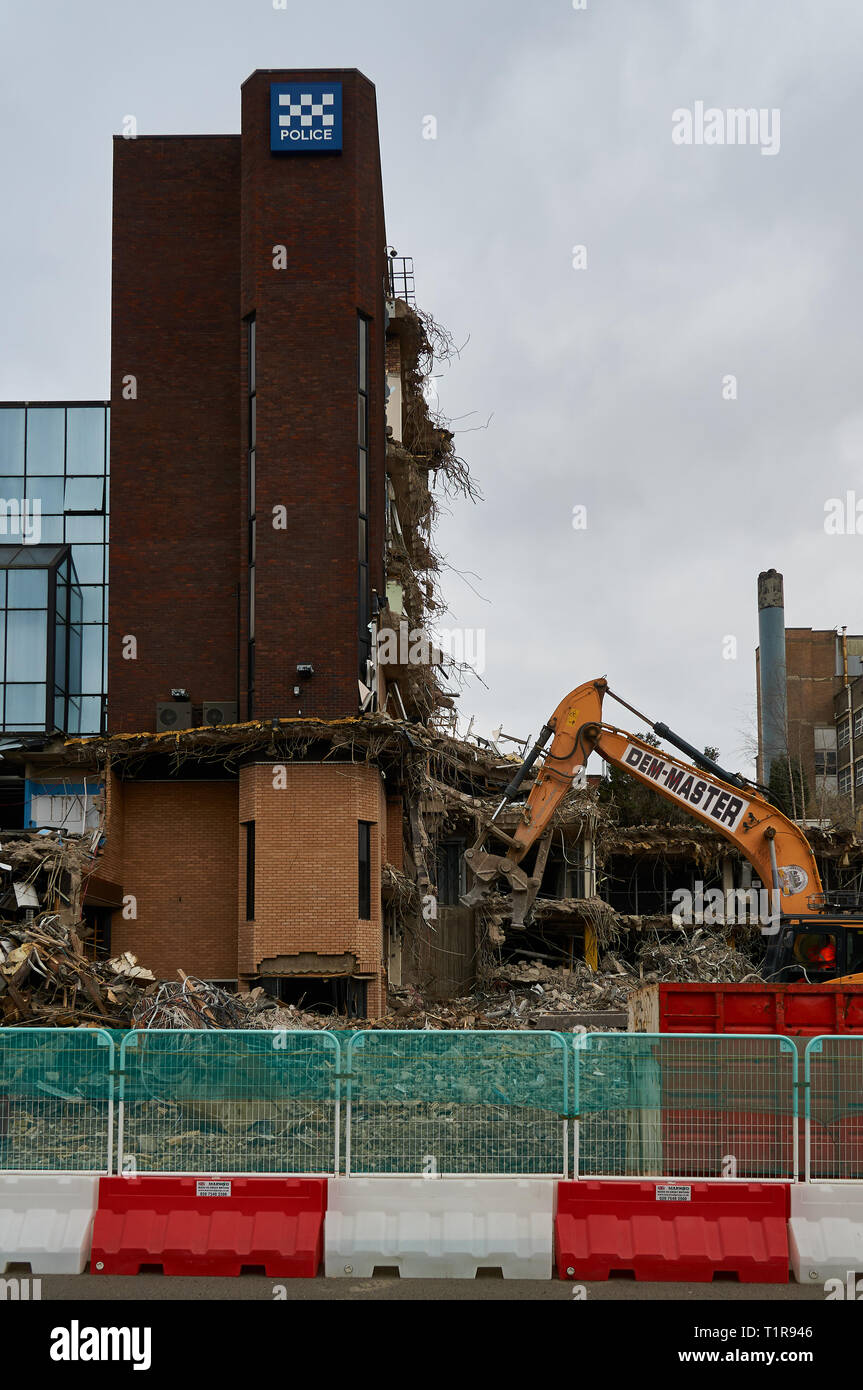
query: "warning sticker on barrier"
673, 1192
203, 1188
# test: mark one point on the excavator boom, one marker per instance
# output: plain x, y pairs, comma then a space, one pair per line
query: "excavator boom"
776, 848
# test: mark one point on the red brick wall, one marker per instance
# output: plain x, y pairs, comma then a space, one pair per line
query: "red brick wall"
395, 833
306, 865
327, 210
175, 491
180, 863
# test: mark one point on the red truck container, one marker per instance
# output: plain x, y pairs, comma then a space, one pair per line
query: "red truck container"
801, 1010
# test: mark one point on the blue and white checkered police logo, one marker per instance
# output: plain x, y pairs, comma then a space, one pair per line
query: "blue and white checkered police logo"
305, 118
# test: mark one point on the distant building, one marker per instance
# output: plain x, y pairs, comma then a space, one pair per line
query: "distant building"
803, 677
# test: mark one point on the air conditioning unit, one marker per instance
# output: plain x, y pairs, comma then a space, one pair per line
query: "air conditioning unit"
172, 715
219, 712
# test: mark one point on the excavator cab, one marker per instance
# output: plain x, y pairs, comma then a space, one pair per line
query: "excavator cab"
815, 950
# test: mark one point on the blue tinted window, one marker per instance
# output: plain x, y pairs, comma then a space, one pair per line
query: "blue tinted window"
45, 439
12, 441
26, 645
25, 706
75, 603
74, 660
88, 563
85, 440
92, 603
48, 491
60, 638
49, 528
91, 715
84, 494
85, 528
27, 589
91, 659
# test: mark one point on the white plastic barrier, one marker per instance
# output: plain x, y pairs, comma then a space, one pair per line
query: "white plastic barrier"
440, 1228
46, 1221
825, 1232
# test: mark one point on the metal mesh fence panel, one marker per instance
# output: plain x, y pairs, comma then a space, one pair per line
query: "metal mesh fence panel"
241, 1102
56, 1100
457, 1103
833, 1073
685, 1106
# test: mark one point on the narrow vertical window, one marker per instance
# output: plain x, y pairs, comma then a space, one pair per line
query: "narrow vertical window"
364, 607
250, 870
251, 445
364, 876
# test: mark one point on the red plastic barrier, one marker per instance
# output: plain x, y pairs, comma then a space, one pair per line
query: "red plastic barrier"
721, 1228
210, 1226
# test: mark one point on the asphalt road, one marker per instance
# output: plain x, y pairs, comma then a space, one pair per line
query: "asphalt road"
484, 1289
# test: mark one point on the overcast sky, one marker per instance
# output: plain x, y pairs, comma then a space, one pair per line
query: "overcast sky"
605, 384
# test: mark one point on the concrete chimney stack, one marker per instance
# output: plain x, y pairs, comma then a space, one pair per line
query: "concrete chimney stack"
771, 667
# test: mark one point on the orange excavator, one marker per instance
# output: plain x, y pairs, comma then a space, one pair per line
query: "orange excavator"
810, 935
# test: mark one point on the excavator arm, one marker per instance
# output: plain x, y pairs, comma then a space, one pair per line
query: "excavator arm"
776, 848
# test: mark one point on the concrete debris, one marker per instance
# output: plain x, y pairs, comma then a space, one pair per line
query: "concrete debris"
529, 994
46, 979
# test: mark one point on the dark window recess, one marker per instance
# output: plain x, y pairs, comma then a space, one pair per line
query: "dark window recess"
97, 933
340, 995
364, 644
450, 873
825, 762
250, 871
253, 410
364, 875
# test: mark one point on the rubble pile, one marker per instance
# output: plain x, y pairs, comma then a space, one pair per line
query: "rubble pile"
529, 993
47, 980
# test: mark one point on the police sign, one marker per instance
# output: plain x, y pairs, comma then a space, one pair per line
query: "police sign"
305, 117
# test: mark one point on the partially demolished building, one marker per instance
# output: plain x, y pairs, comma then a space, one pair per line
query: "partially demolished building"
280, 799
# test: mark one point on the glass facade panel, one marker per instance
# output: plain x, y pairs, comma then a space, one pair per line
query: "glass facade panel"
25, 707
50, 529
27, 589
91, 713
26, 644
12, 440
64, 449
46, 439
48, 492
85, 528
91, 659
88, 563
85, 440
91, 596
84, 495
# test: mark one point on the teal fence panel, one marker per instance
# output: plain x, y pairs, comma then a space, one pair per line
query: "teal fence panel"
56, 1100
833, 1076
229, 1101
456, 1103
700, 1107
